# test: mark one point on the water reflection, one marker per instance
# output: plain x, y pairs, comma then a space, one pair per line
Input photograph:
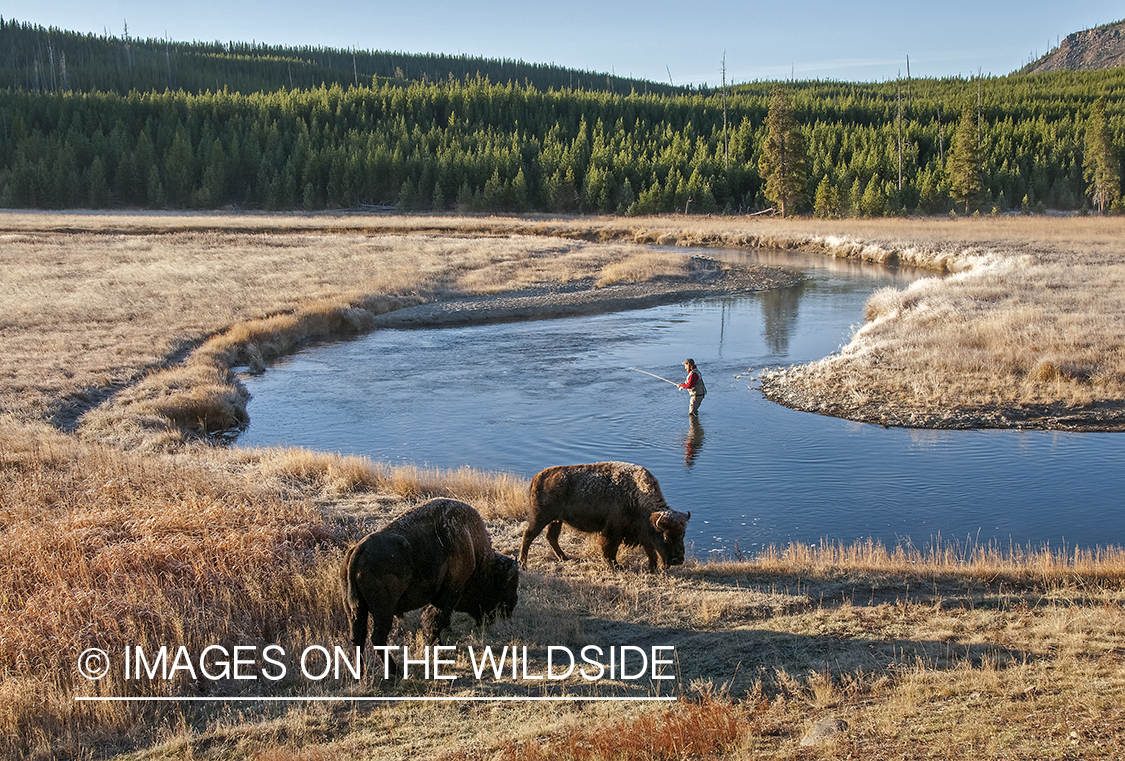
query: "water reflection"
780, 309
519, 397
692, 441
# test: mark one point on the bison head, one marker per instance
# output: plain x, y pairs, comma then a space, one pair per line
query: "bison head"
494, 592
669, 527
507, 575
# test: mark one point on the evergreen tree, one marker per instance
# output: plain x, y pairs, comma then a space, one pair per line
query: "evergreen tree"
855, 195
494, 194
873, 203
826, 204
213, 191
520, 197
179, 169
964, 161
929, 197
784, 160
407, 196
627, 197
1102, 167
99, 187
579, 150
154, 192
465, 199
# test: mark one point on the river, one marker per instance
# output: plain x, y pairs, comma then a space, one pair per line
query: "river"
522, 396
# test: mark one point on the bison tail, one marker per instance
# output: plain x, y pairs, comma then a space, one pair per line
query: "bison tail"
352, 599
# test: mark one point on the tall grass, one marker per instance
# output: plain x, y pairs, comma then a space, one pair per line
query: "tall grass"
967, 557
644, 267
110, 312
106, 548
102, 545
102, 548
709, 729
497, 496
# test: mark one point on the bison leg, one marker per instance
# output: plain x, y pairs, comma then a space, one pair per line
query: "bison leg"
533, 529
610, 542
359, 622
436, 616
380, 633
553, 531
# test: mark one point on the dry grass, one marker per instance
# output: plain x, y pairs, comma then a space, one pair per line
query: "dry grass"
497, 496
952, 652
1022, 331
944, 661
711, 729
1028, 332
643, 267
152, 320
107, 548
101, 548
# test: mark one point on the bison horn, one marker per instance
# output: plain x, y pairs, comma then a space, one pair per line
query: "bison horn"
688, 516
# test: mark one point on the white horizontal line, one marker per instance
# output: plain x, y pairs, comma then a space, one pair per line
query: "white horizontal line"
367, 699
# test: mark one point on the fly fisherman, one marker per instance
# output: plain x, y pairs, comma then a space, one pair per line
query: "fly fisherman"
694, 384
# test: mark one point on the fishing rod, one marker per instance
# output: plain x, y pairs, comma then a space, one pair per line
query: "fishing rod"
654, 375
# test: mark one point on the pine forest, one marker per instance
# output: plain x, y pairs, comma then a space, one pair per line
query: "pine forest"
106, 122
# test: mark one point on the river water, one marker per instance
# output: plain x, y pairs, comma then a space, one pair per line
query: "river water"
522, 396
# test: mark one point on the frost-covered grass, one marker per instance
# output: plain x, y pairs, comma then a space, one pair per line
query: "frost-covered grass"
1026, 331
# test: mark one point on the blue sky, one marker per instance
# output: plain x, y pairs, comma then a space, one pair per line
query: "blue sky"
867, 40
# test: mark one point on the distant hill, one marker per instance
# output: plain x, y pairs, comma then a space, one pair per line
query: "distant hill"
1100, 48
38, 59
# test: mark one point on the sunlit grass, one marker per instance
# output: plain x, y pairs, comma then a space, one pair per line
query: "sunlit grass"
951, 650
104, 547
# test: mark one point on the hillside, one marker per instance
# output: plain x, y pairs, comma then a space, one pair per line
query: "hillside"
1100, 48
479, 147
38, 59
102, 122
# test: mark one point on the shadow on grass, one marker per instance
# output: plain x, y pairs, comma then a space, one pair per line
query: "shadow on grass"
732, 663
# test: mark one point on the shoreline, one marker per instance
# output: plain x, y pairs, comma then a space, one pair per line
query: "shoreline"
580, 298
557, 300
200, 399
141, 311
1100, 417
111, 541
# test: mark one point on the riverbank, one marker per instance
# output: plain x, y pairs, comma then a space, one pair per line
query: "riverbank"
127, 334
1023, 334
949, 653
118, 529
679, 281
1024, 330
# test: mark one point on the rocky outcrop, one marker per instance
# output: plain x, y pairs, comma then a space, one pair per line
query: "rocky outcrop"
1100, 48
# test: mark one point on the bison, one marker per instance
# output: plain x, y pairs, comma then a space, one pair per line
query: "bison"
437, 555
620, 501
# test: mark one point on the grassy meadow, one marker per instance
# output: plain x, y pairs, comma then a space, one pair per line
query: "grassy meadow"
120, 525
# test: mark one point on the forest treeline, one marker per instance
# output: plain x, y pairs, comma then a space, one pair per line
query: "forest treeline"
40, 59
473, 144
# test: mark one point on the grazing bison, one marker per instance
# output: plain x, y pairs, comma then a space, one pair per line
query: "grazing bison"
437, 555
620, 501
